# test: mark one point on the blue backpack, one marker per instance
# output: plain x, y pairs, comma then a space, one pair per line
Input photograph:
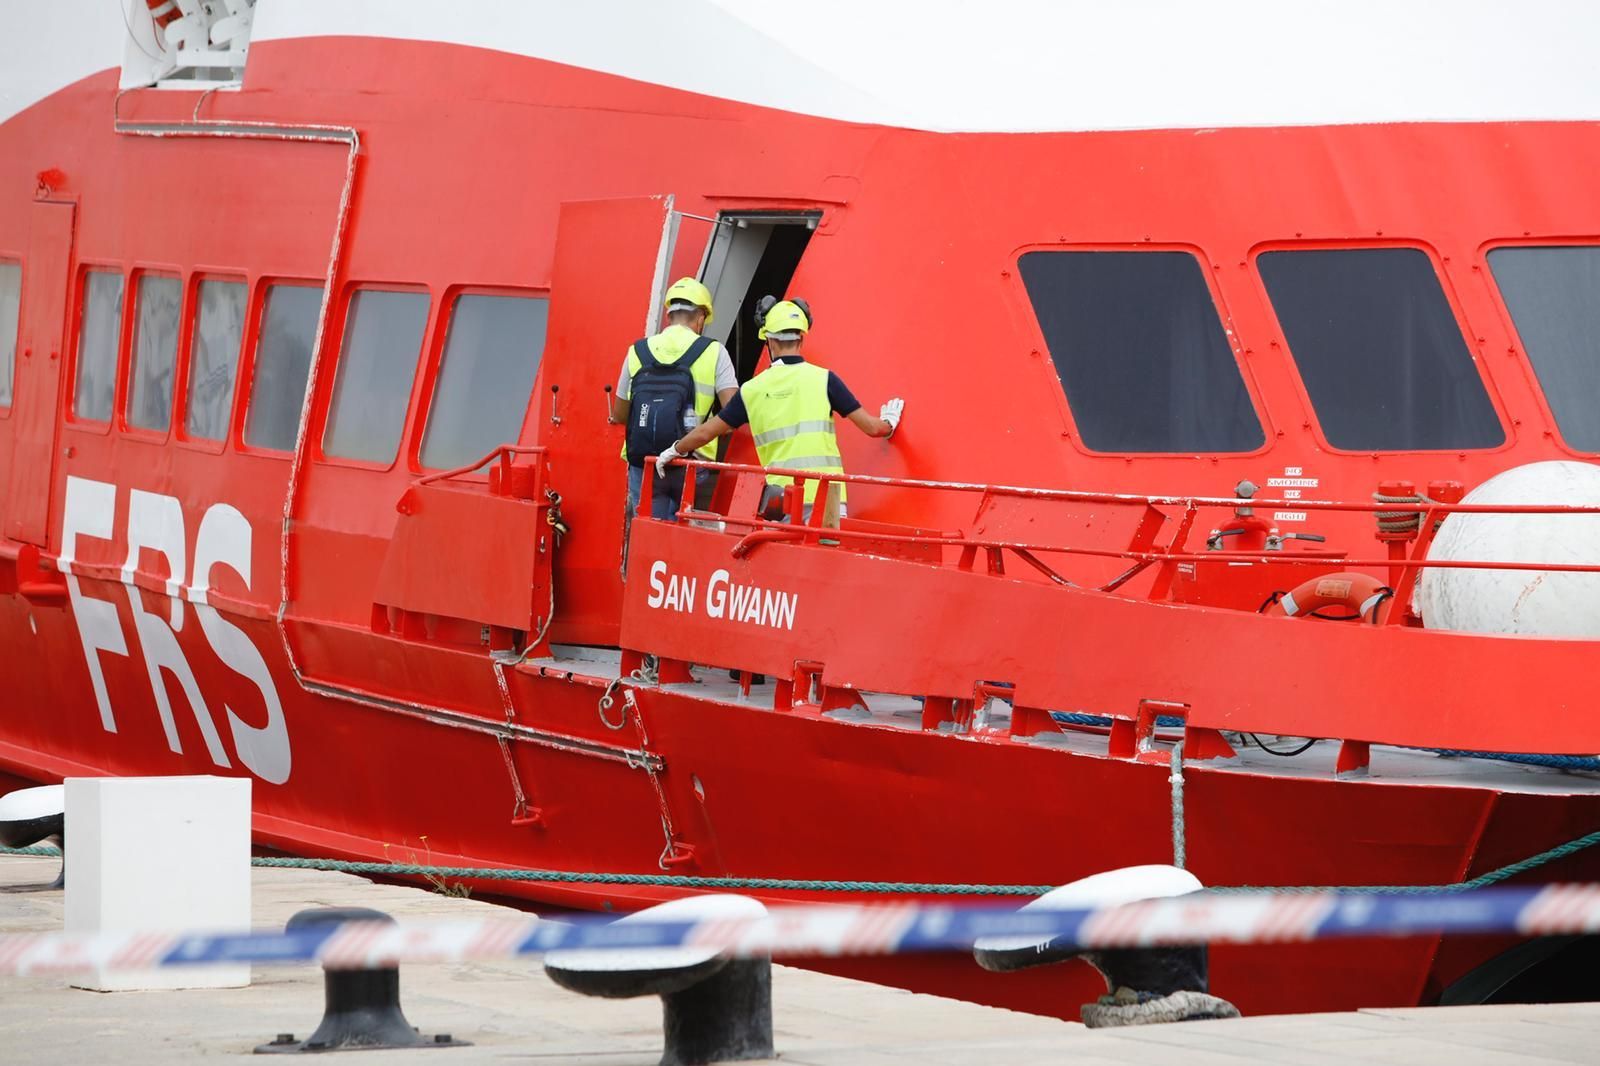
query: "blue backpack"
661, 398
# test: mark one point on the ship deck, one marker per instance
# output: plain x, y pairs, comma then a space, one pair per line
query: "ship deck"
1389, 765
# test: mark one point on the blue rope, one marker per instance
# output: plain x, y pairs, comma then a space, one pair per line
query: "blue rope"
1164, 721
1554, 762
1558, 762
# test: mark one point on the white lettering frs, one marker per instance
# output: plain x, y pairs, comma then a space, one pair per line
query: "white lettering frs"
156, 523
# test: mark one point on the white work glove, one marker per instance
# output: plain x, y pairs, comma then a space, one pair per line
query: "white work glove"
890, 413
666, 458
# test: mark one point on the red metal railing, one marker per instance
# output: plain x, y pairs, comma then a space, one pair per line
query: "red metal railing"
1200, 705
1404, 567
1126, 499
501, 455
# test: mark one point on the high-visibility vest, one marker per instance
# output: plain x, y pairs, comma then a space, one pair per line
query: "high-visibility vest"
668, 346
792, 422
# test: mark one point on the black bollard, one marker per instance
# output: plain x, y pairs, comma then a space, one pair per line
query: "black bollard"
714, 1008
361, 1007
32, 816
61, 875
1144, 985
1154, 971
725, 1018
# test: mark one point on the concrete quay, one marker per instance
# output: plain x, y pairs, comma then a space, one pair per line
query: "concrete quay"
512, 1013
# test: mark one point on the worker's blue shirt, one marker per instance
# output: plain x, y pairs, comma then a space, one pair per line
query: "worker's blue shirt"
840, 398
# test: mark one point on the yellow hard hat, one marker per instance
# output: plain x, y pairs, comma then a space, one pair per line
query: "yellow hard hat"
691, 292
785, 317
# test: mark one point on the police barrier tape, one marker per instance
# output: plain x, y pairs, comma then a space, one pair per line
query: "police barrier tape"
833, 929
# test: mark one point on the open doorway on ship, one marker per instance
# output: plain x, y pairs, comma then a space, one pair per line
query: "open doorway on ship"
751, 254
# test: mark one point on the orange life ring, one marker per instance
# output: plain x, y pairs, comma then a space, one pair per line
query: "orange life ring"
1343, 597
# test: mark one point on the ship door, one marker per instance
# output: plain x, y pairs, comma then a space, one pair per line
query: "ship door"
36, 396
612, 258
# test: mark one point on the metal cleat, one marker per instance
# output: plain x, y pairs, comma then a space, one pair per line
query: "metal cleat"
362, 1009
31, 816
1144, 986
715, 1008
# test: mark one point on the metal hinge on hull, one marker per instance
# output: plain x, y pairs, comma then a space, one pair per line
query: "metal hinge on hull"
521, 813
675, 852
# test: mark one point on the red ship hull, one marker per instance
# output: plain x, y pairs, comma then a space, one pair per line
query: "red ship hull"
830, 800
382, 731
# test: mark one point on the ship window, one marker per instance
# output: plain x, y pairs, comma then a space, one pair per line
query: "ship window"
214, 358
283, 361
98, 333
491, 356
377, 364
1553, 295
1140, 352
1379, 350
10, 304
155, 351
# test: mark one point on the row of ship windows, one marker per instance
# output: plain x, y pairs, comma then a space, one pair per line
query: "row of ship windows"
491, 353
1135, 337
1147, 366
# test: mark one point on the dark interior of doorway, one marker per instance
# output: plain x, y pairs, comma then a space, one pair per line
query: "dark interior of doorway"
786, 244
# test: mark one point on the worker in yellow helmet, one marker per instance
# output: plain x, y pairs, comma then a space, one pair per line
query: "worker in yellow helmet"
666, 387
789, 408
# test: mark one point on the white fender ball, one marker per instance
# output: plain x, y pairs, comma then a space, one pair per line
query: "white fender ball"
1531, 602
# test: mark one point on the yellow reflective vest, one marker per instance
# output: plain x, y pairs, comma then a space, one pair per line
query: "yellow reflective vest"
668, 346
792, 422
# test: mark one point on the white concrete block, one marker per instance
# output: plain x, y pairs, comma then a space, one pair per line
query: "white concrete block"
159, 854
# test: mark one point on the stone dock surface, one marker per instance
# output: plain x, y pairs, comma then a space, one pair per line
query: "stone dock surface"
512, 1013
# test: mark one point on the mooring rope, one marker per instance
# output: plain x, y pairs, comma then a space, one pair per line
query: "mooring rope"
1399, 522
1180, 846
776, 884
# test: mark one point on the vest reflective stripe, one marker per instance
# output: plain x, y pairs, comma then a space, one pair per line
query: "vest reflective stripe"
668, 346
792, 422
794, 431
808, 462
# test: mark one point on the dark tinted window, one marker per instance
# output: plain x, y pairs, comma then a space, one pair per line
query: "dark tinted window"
377, 364
10, 304
283, 360
491, 355
1554, 298
155, 352
1379, 349
99, 330
1140, 351
214, 358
